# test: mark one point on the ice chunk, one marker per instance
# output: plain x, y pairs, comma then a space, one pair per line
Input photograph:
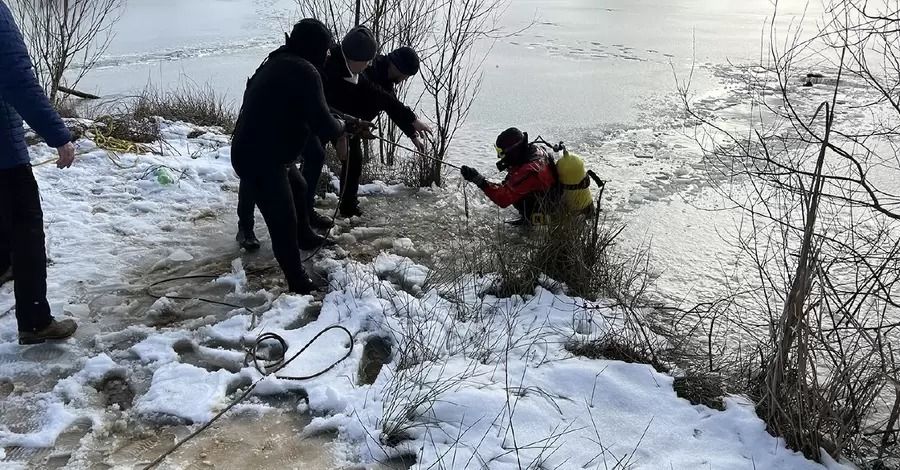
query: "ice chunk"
180, 256
187, 392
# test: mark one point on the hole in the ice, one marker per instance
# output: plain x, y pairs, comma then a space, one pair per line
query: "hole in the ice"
218, 343
401, 462
183, 346
309, 315
289, 399
238, 384
376, 353
116, 391
210, 362
6, 388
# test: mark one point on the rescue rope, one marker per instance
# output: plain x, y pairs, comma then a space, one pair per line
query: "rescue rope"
416, 152
266, 366
276, 364
113, 146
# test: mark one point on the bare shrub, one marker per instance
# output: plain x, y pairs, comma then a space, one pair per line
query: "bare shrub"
819, 231
199, 105
66, 36
444, 33
66, 108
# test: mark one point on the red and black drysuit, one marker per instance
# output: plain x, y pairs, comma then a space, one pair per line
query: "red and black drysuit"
528, 186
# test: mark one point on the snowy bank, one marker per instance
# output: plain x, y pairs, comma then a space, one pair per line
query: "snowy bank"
470, 380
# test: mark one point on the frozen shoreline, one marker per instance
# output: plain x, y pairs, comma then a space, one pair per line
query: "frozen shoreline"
119, 222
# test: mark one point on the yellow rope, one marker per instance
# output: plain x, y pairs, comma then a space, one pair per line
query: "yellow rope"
114, 148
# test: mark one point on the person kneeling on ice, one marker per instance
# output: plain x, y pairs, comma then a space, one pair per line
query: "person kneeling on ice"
535, 184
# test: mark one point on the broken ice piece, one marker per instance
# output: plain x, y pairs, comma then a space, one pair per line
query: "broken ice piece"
180, 256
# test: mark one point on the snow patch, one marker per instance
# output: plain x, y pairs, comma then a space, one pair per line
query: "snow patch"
187, 392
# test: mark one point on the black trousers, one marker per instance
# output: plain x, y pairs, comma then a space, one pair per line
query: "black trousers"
280, 194
351, 172
301, 184
247, 204
22, 246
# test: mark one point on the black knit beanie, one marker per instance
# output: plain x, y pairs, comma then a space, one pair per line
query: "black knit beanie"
511, 139
311, 40
359, 45
406, 60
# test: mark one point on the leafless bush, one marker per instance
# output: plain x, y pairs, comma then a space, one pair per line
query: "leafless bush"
66, 36
199, 105
66, 108
819, 232
444, 33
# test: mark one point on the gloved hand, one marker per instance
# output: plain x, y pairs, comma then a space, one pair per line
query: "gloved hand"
471, 175
361, 129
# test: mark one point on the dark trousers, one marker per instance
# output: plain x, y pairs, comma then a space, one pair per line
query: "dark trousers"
303, 183
313, 162
22, 246
279, 193
351, 172
247, 204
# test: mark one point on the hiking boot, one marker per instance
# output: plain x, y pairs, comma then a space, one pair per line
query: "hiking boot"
6, 276
247, 239
56, 330
351, 212
302, 285
518, 223
319, 221
307, 244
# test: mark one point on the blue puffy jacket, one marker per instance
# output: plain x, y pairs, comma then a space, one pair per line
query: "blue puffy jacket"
21, 96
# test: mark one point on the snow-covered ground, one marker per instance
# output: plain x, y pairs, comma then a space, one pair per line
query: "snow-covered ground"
472, 381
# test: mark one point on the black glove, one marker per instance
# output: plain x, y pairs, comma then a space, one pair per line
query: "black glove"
471, 175
360, 128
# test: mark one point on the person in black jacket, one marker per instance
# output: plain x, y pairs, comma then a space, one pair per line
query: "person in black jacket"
283, 107
349, 89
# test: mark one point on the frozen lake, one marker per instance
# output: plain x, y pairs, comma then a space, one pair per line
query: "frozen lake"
599, 75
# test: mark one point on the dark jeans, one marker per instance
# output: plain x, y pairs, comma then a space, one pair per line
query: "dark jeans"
22, 246
313, 162
280, 194
351, 172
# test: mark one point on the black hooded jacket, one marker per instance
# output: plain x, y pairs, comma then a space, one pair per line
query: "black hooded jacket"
365, 99
284, 102
379, 74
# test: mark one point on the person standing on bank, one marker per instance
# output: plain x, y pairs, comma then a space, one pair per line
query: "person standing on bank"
22, 241
283, 106
349, 90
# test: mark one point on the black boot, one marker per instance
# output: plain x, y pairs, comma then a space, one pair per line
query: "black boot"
310, 244
302, 285
247, 239
319, 221
352, 211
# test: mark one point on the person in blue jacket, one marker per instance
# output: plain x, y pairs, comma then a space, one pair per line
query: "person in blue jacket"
21, 218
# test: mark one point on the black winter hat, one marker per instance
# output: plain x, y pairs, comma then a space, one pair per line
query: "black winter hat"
359, 45
310, 39
406, 60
